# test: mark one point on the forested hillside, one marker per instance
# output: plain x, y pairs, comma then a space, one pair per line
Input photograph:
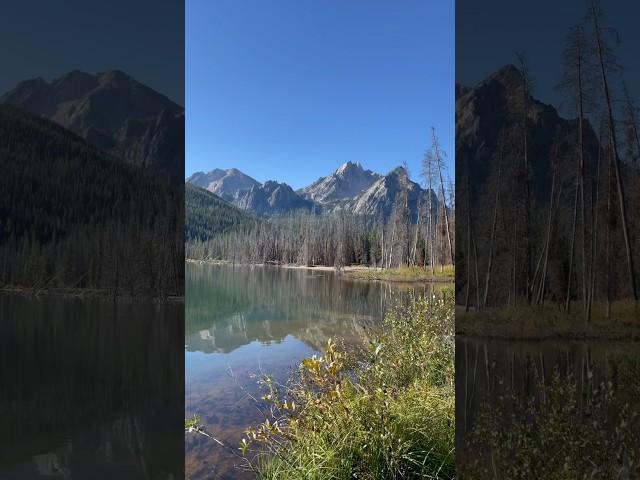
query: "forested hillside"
208, 215
390, 222
74, 217
113, 112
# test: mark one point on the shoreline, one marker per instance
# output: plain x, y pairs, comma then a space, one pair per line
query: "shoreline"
546, 336
320, 268
354, 272
538, 326
90, 293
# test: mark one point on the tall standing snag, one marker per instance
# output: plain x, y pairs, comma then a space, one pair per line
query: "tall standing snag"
600, 45
437, 153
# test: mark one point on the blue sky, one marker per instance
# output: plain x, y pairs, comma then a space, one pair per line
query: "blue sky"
488, 34
289, 90
78, 35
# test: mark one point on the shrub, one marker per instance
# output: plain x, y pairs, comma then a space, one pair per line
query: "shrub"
387, 412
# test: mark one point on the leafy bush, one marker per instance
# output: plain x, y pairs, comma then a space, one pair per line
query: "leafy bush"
384, 413
555, 434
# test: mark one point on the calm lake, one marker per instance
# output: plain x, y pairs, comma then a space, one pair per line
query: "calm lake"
90, 388
241, 321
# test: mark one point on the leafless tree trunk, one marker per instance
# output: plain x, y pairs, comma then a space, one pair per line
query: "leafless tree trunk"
487, 280
439, 162
594, 234
525, 150
616, 158
543, 281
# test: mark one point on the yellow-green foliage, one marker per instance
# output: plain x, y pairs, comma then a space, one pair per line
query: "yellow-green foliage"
388, 413
445, 273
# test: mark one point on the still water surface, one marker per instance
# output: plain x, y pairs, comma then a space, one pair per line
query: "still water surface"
489, 373
90, 389
241, 321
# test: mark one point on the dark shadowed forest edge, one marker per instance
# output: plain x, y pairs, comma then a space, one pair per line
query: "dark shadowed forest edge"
547, 235
547, 206
79, 221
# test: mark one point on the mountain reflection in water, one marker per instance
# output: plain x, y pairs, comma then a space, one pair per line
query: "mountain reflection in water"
242, 321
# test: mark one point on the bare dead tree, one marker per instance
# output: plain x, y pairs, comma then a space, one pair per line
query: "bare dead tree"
526, 89
633, 137
492, 239
438, 156
427, 172
574, 82
605, 63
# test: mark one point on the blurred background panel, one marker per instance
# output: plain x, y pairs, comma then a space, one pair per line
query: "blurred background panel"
547, 258
91, 240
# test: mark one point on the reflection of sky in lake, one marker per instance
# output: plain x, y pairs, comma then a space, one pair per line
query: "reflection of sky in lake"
241, 321
251, 358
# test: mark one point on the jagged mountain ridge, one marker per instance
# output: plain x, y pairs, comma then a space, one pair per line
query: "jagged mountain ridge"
350, 188
380, 197
348, 181
112, 111
491, 111
246, 193
226, 184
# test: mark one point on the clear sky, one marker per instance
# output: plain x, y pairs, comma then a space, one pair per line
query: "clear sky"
290, 90
44, 38
488, 34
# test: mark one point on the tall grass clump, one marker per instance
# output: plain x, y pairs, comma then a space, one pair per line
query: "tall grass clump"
386, 412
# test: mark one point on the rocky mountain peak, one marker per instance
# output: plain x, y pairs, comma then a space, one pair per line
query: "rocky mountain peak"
347, 181
349, 168
112, 111
509, 76
354, 189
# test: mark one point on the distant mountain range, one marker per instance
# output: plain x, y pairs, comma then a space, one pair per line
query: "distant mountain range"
113, 112
350, 188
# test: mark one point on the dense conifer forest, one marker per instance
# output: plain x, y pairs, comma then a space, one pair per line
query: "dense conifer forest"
208, 214
73, 217
217, 230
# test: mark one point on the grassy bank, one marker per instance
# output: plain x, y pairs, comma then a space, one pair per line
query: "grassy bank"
549, 322
406, 274
387, 412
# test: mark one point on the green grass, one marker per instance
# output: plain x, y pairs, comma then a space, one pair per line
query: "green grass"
445, 273
525, 321
385, 413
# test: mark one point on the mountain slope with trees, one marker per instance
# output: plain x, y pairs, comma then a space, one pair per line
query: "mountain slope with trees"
75, 217
208, 215
112, 111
